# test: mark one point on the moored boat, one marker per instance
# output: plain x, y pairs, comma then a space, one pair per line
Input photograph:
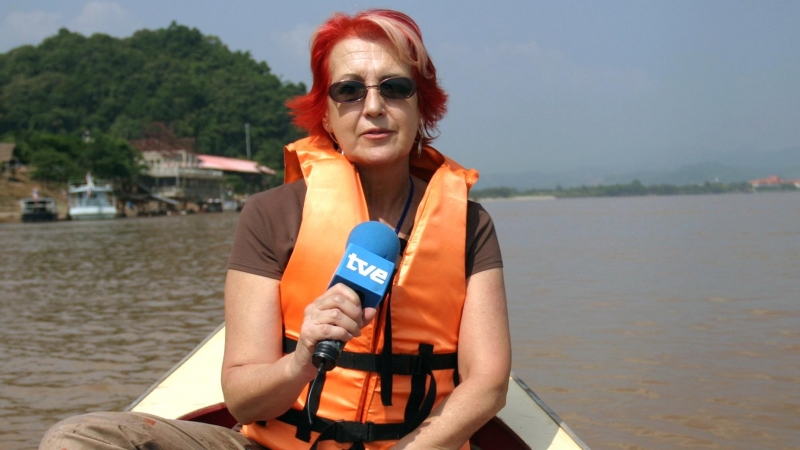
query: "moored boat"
90, 201
191, 391
38, 209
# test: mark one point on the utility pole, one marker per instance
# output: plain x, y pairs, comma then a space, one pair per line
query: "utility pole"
247, 138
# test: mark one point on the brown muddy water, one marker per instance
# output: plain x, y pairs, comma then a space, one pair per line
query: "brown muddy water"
657, 323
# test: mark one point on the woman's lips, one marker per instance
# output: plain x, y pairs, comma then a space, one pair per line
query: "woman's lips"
376, 133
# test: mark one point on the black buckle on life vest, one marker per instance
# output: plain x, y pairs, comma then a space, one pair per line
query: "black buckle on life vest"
407, 364
353, 431
344, 431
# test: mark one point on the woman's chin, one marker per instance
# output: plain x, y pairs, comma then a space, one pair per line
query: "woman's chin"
377, 157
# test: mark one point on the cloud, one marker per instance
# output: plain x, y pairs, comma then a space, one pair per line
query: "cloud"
556, 70
103, 17
292, 49
20, 28
31, 27
296, 41
549, 70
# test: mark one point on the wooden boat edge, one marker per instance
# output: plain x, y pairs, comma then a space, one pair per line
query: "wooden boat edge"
136, 404
518, 383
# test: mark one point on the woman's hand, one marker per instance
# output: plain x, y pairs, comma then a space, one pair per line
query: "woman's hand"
335, 315
260, 382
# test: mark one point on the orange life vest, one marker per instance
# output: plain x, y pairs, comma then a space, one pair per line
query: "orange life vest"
425, 303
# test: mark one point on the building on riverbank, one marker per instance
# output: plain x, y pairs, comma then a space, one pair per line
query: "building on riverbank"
192, 180
774, 182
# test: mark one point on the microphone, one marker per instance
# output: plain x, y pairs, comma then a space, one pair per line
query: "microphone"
366, 267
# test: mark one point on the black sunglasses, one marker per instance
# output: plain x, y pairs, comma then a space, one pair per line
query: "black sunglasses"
349, 91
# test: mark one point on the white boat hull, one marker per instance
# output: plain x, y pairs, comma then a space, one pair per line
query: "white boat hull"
92, 212
90, 201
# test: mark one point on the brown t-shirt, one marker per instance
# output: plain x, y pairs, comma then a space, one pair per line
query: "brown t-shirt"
270, 221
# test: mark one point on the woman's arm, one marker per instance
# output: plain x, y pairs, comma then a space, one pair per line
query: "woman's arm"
484, 363
258, 381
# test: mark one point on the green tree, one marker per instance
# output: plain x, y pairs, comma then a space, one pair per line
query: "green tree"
64, 158
54, 166
111, 158
53, 158
177, 76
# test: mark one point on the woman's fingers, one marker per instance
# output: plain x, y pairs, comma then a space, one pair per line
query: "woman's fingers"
336, 315
368, 315
341, 303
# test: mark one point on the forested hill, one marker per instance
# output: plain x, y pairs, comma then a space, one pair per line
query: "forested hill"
177, 76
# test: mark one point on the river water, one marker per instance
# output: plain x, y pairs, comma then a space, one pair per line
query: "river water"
645, 323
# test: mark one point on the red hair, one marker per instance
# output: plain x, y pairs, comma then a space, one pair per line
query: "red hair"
402, 34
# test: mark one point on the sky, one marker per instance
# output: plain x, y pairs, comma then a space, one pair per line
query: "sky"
534, 86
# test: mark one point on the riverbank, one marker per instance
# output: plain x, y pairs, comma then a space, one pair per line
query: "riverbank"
517, 198
632, 189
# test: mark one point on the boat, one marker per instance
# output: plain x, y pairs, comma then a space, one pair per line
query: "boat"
38, 209
213, 205
90, 201
191, 390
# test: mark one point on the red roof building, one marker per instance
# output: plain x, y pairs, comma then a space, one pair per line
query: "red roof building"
773, 181
176, 172
232, 165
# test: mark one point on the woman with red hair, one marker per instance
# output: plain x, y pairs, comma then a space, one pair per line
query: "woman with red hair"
429, 364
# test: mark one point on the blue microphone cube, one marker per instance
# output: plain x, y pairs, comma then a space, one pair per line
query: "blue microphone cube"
366, 273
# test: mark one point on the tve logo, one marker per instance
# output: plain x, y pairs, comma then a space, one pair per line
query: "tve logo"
364, 268
364, 272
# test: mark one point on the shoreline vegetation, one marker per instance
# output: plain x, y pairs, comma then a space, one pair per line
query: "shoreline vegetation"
632, 189
21, 186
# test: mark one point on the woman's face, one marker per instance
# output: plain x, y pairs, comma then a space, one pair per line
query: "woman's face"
373, 131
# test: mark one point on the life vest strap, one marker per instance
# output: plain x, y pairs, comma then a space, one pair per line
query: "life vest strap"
386, 372
419, 405
343, 431
402, 363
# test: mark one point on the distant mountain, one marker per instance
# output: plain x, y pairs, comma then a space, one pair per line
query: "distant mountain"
530, 180
789, 157
693, 174
740, 166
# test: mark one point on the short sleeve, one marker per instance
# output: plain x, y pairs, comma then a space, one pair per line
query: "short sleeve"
483, 248
267, 231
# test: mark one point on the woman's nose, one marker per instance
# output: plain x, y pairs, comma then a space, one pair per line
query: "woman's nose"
374, 103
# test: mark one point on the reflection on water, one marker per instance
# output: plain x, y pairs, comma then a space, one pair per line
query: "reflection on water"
658, 322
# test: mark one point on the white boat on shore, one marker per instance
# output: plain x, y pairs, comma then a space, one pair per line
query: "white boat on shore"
38, 209
90, 201
191, 391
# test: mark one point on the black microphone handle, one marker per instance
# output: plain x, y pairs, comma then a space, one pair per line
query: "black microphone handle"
326, 353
